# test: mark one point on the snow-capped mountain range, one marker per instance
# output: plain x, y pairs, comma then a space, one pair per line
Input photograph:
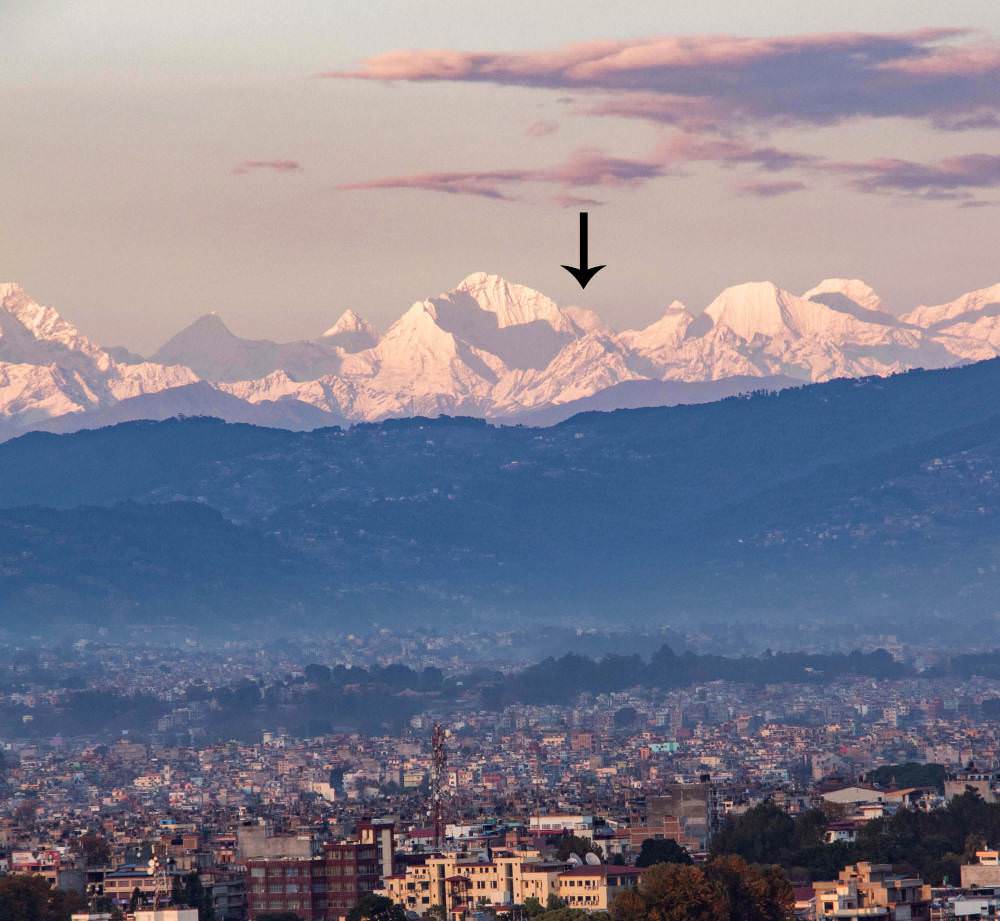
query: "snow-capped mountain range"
487, 348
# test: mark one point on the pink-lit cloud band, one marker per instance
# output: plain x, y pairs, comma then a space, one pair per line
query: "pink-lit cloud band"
714, 91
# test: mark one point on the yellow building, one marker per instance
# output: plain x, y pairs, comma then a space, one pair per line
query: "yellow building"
595, 888
461, 884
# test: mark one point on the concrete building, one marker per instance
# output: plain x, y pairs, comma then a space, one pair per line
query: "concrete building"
509, 878
595, 888
984, 873
319, 888
691, 808
258, 840
872, 891
972, 779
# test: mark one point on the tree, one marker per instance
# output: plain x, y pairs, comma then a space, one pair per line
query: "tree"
318, 674
371, 907
675, 892
910, 774
661, 850
751, 893
626, 718
24, 814
629, 906
554, 903
759, 835
31, 898
533, 907
571, 844
727, 889
192, 893
95, 850
573, 914
278, 916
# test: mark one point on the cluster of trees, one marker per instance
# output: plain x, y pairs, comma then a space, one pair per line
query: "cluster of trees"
320, 701
930, 844
767, 834
573, 844
559, 680
31, 898
982, 664
723, 889
377, 698
373, 907
661, 850
911, 774
86, 712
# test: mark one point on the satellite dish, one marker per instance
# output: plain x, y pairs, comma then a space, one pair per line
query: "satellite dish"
592, 859
574, 860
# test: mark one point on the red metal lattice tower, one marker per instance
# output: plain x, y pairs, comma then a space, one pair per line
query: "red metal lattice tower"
439, 762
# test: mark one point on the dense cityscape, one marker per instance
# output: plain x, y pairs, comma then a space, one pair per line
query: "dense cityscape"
140, 780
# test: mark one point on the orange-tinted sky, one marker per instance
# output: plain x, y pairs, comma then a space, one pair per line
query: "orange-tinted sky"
281, 162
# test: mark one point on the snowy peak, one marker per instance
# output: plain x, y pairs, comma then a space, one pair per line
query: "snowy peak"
351, 333
511, 304
586, 320
29, 329
962, 309
666, 332
830, 291
756, 308
350, 322
487, 347
48, 368
763, 309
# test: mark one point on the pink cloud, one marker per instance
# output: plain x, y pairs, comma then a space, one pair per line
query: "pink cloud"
591, 168
482, 183
565, 200
770, 189
723, 80
277, 166
694, 148
951, 177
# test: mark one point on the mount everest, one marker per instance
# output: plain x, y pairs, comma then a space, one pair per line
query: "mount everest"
487, 348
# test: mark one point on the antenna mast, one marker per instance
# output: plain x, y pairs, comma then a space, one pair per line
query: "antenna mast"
439, 762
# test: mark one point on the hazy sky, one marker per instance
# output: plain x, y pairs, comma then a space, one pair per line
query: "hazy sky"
164, 159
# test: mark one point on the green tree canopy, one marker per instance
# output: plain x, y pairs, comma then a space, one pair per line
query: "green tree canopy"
661, 850
573, 844
371, 907
31, 898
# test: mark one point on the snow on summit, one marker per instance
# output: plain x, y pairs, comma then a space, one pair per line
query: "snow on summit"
487, 347
854, 289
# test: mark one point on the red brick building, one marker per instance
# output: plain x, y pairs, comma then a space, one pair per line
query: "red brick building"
320, 888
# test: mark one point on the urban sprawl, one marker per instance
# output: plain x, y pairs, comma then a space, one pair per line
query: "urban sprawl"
201, 797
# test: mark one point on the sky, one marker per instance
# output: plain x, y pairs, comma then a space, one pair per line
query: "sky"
279, 163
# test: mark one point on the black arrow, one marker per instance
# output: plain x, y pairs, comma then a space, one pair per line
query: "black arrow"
584, 273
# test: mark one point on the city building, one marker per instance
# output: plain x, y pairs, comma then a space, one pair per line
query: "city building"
872, 891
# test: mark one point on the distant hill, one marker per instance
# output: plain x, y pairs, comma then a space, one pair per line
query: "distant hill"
872, 500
